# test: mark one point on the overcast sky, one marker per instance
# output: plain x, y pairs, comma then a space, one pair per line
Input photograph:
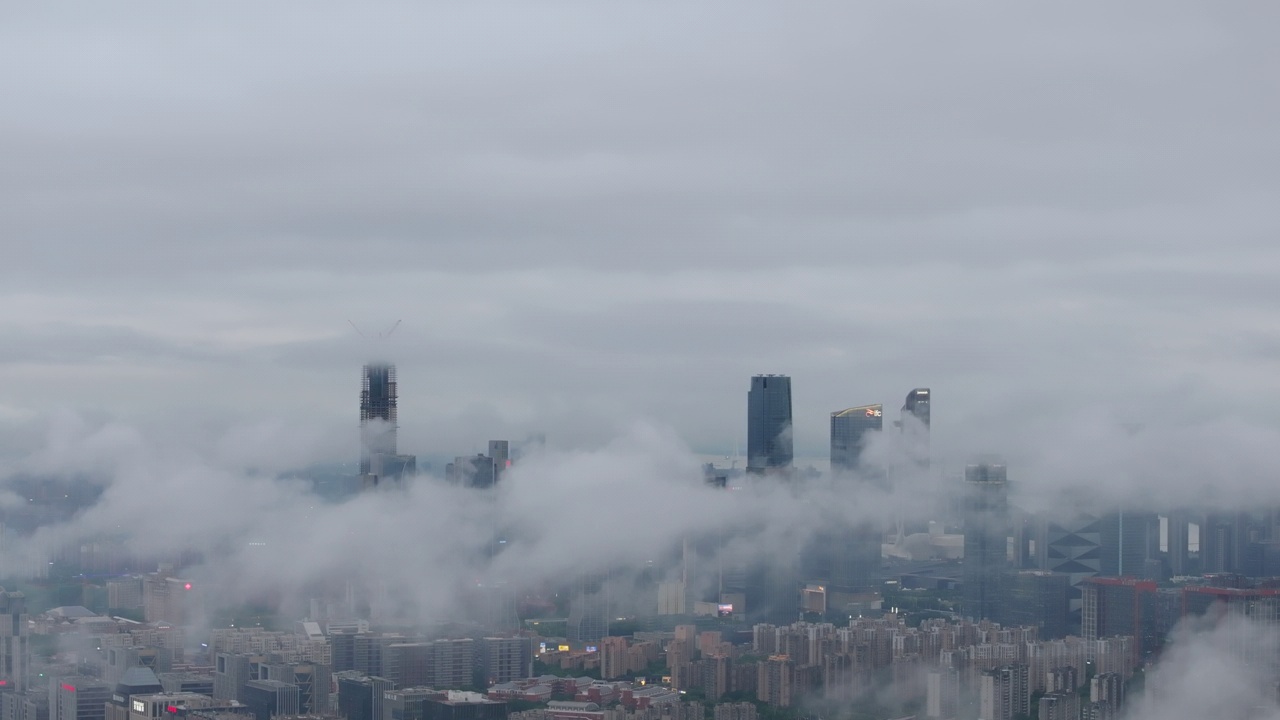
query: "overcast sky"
588, 214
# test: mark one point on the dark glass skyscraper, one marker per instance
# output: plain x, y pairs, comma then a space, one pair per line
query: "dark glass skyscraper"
849, 434
769, 444
986, 538
377, 419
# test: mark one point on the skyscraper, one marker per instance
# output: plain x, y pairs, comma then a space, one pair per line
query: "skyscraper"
915, 425
377, 413
378, 456
847, 558
850, 431
769, 443
986, 531
15, 641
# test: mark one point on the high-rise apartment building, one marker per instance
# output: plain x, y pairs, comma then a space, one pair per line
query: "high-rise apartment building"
1004, 693
986, 538
769, 441
942, 693
15, 641
851, 430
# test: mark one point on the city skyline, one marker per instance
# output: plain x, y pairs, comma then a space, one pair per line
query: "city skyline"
669, 291
1048, 278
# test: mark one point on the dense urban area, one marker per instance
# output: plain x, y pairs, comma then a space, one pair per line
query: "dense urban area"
968, 607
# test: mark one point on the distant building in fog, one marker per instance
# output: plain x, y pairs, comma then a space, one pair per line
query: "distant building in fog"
769, 442
986, 533
915, 423
851, 429
379, 459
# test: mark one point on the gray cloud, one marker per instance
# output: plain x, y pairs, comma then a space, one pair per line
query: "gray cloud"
589, 216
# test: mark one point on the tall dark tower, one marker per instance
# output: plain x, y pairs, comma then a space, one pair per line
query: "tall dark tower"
986, 538
377, 414
915, 426
769, 443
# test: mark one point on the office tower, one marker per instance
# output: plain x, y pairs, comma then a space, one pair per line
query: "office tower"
1037, 598
851, 429
848, 558
1116, 606
15, 641
170, 599
589, 608
377, 413
500, 451
313, 681
269, 698
1129, 538
78, 698
360, 696
404, 704
986, 532
915, 424
769, 442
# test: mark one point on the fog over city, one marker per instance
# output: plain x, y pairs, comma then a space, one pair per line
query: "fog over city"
593, 224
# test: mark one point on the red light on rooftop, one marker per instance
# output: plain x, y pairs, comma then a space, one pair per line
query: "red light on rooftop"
68, 688
187, 586
3, 683
172, 709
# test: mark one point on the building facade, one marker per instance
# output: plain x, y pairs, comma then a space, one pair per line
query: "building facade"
769, 442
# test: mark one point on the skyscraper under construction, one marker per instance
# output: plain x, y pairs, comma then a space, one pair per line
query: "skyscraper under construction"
378, 424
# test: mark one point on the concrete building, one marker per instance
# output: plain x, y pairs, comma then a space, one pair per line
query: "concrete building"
1114, 606
505, 659
614, 661
474, 471
125, 593
942, 693
776, 681
769, 441
169, 599
1004, 693
1059, 706
78, 698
